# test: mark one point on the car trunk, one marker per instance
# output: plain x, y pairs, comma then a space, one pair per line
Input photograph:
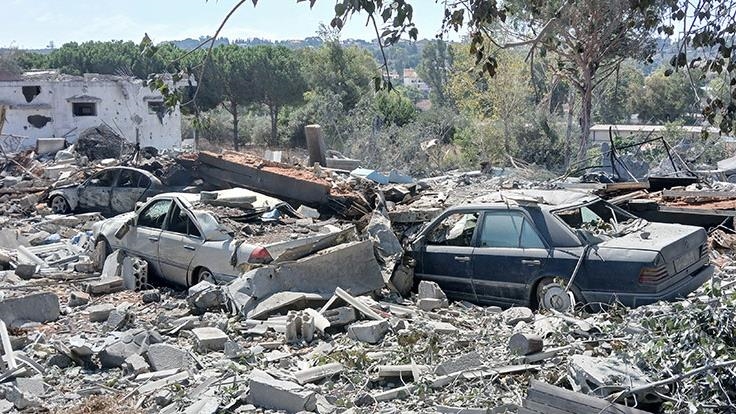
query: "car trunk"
682, 247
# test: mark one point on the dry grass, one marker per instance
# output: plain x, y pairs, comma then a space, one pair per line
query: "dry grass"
101, 404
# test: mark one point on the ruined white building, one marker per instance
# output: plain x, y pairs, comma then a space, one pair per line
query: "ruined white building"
45, 104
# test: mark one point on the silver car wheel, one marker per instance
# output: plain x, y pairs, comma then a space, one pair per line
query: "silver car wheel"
59, 205
204, 274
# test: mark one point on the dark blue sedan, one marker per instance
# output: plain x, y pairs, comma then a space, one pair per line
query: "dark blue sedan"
524, 247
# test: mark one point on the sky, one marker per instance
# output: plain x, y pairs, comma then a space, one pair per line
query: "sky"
32, 24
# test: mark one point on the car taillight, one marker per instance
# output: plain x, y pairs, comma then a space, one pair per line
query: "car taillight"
259, 255
652, 275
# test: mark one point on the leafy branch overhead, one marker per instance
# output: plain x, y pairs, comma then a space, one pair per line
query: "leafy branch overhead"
705, 30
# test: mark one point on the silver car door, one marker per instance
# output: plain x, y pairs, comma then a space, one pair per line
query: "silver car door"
143, 238
178, 244
130, 187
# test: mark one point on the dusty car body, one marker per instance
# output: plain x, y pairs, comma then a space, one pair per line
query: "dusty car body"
110, 191
181, 244
508, 251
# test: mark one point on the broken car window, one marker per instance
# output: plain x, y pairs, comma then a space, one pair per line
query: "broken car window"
455, 230
128, 179
181, 223
599, 218
154, 215
103, 179
509, 229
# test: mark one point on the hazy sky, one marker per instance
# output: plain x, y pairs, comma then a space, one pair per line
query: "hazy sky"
34, 23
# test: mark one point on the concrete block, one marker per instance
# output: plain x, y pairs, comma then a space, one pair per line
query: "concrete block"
430, 290
204, 296
135, 364
115, 354
517, 314
268, 392
340, 316
26, 271
308, 212
371, 332
38, 307
469, 361
77, 298
315, 374
100, 313
118, 319
210, 338
106, 285
162, 357
429, 304
32, 386
113, 265
134, 272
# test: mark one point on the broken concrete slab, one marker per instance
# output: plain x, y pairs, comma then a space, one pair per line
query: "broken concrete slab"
163, 357
37, 307
340, 316
209, 338
77, 298
267, 392
517, 314
604, 376
135, 364
351, 266
431, 290
106, 285
100, 313
317, 373
467, 362
205, 296
371, 332
430, 304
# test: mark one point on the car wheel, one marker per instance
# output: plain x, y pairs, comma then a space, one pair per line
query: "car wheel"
202, 274
102, 250
59, 205
551, 294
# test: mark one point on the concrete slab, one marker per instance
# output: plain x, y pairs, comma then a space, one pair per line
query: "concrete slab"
38, 307
268, 392
209, 338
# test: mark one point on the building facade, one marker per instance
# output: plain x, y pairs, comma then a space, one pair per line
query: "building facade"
46, 104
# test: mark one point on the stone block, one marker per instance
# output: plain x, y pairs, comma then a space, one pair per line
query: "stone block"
471, 360
115, 354
431, 290
26, 271
371, 332
163, 357
77, 298
308, 212
135, 364
37, 307
100, 313
106, 285
340, 316
268, 392
430, 304
517, 314
210, 338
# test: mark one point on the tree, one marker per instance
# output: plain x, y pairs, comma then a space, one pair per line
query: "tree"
504, 99
436, 65
614, 100
394, 108
276, 80
666, 98
229, 83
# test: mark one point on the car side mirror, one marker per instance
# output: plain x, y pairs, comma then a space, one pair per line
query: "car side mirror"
125, 228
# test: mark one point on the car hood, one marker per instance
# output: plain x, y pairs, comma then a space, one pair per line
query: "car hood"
671, 240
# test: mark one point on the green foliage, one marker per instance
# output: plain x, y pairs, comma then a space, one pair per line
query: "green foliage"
614, 101
394, 107
666, 98
435, 69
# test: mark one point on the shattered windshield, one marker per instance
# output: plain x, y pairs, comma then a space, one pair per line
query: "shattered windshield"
601, 219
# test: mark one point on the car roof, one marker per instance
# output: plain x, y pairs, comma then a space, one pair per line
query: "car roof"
138, 170
544, 199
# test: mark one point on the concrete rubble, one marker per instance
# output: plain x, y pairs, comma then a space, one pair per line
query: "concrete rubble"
330, 325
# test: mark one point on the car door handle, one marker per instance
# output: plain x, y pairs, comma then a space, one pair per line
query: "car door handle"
192, 248
462, 258
153, 239
531, 262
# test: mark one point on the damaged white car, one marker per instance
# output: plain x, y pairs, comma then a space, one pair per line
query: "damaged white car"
181, 244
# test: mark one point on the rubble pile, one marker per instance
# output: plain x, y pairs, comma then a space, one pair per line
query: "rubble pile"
328, 324
102, 142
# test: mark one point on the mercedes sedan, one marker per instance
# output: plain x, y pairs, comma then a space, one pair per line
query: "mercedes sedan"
555, 248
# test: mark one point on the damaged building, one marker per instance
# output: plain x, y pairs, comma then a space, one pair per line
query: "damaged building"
46, 104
